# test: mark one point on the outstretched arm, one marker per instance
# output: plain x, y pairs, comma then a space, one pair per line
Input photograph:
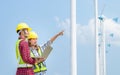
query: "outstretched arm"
54, 37
51, 40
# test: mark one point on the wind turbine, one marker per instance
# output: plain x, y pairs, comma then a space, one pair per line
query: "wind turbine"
101, 46
100, 43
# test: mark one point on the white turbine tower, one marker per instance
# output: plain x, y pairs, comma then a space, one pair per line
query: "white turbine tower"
96, 38
73, 39
100, 43
101, 46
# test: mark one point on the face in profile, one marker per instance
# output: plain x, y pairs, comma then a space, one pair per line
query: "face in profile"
33, 41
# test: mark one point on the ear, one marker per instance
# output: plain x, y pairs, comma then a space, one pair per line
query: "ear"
22, 33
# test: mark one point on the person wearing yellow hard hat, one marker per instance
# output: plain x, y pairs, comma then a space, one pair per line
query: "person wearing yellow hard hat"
36, 51
25, 62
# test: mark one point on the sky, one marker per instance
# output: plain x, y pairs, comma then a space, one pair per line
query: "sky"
47, 18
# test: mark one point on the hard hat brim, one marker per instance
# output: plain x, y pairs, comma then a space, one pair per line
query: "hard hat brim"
29, 29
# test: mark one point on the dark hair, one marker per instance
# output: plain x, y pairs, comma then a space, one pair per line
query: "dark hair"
18, 32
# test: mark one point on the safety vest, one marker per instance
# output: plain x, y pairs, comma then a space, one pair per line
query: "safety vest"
38, 67
21, 63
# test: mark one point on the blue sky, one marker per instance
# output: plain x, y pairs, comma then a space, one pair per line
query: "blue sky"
47, 17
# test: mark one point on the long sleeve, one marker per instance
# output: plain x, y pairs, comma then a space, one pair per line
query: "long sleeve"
48, 43
25, 52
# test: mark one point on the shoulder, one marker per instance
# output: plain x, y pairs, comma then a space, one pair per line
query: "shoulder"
22, 42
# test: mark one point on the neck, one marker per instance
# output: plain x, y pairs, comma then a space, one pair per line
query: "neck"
22, 37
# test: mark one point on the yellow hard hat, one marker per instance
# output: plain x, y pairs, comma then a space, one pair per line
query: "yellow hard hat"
22, 26
32, 35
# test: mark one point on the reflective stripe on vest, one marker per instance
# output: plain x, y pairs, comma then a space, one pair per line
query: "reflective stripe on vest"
38, 67
21, 63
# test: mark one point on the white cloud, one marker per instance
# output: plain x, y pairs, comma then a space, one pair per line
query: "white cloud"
112, 27
64, 25
85, 33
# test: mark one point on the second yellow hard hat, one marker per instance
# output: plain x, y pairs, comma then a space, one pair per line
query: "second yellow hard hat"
32, 35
